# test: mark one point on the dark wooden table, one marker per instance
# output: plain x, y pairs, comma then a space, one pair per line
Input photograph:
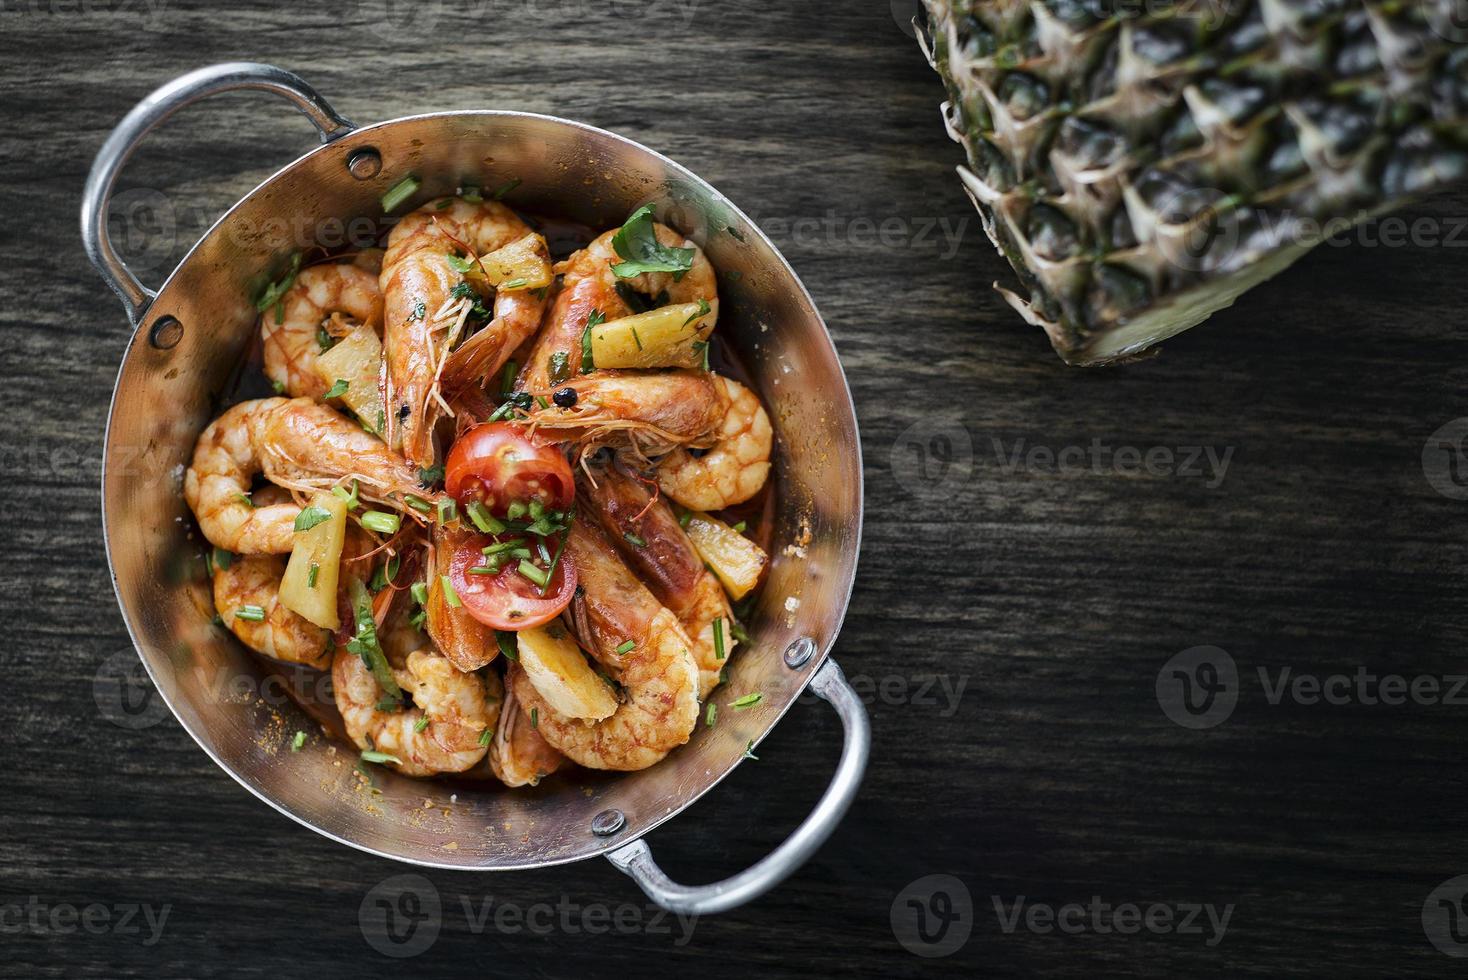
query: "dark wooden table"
1012, 613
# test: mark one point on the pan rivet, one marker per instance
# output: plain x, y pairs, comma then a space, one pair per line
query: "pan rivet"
166, 333
365, 164
607, 823
799, 652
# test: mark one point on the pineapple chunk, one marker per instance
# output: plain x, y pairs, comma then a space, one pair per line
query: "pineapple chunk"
671, 336
556, 667
736, 560
522, 264
313, 595
357, 360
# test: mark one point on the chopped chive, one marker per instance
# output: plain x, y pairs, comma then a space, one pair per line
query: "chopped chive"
399, 193
431, 475
484, 570
634, 540
737, 631
350, 498
499, 546
515, 284
550, 569
420, 725
749, 750
507, 379
534, 718
626, 647
505, 640
684, 518
719, 638
516, 510
540, 400
443, 205
382, 522
499, 195
448, 510
311, 575
298, 741
276, 290
369, 755
277, 386
244, 498
449, 595
339, 388
222, 559
749, 701
471, 194
482, 518
485, 736
417, 503
739, 528
702, 347
711, 715
636, 339
534, 574
312, 516
254, 614
419, 592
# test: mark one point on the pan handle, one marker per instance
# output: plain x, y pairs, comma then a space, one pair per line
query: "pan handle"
145, 117
635, 859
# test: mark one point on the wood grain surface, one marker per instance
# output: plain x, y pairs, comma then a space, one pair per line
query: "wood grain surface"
1021, 585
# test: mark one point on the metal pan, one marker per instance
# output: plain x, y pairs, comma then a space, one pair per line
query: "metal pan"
191, 334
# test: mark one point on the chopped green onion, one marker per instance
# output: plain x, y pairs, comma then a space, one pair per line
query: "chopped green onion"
626, 647
719, 638
222, 559
298, 741
276, 290
492, 569
507, 378
702, 347
506, 642
516, 510
277, 386
385, 573
749, 701
485, 736
514, 284
420, 725
483, 519
540, 400
636, 339
703, 310
684, 518
737, 631
740, 527
461, 265
339, 388
369, 755
431, 475
364, 641
498, 546
311, 516
711, 715
417, 503
550, 570
443, 205
350, 498
254, 614
244, 498
471, 194
634, 540
534, 574
419, 592
534, 718
449, 595
382, 522
448, 510
499, 195
311, 575
399, 193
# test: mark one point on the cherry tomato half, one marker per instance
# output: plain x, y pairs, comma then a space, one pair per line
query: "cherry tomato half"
497, 465
509, 600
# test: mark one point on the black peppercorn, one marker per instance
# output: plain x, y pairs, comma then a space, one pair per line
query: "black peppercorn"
565, 397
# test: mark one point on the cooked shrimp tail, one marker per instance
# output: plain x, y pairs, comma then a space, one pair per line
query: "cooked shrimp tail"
518, 754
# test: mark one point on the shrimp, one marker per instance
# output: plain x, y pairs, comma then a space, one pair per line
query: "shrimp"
254, 580
664, 558
289, 336
305, 446
657, 676
456, 707
738, 464
422, 318
217, 484
467, 642
650, 410
519, 755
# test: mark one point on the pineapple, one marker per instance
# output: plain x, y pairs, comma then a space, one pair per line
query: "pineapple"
1141, 163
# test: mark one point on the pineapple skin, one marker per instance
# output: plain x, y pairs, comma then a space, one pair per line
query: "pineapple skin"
1141, 163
